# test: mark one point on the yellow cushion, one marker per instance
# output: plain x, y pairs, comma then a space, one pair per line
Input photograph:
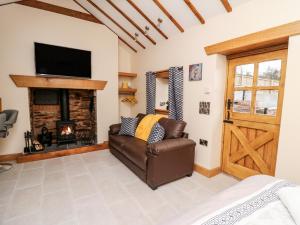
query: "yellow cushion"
145, 126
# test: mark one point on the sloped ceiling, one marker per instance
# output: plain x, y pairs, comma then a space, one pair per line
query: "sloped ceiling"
177, 8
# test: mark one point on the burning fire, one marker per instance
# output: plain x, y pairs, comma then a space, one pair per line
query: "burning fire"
66, 130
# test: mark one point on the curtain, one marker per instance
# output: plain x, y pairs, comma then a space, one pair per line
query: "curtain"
176, 93
150, 92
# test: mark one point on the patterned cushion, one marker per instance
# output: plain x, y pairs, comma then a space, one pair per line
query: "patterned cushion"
157, 134
128, 126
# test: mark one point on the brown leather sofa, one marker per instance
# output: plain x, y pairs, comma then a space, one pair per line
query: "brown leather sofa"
157, 163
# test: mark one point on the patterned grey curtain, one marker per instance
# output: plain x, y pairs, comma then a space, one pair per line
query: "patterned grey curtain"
176, 93
150, 92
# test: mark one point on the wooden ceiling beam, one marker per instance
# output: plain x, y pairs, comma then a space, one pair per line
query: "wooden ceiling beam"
131, 21
115, 22
8, 3
195, 11
147, 18
59, 10
226, 5
165, 11
121, 39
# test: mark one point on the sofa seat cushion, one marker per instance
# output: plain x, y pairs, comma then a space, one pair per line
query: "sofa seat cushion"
135, 150
118, 141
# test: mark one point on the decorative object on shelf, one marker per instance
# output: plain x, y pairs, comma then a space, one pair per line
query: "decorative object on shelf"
204, 108
130, 99
125, 84
45, 138
195, 72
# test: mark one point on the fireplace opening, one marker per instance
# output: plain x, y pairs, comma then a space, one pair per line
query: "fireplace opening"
65, 128
65, 132
63, 118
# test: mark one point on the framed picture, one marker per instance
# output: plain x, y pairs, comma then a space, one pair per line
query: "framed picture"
204, 108
195, 72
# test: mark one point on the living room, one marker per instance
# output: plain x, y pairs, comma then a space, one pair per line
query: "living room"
164, 110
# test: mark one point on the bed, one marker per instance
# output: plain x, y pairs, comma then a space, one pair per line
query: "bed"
254, 201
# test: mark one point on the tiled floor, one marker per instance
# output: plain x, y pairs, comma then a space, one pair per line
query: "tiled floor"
94, 189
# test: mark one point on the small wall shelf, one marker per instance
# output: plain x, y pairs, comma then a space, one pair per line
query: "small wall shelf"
127, 91
129, 75
162, 111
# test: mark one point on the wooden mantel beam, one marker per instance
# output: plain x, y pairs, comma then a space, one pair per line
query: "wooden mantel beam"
165, 11
55, 82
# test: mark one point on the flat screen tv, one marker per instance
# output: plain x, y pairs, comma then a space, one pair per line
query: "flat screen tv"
53, 60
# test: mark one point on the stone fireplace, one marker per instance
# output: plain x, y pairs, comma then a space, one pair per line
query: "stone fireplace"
68, 114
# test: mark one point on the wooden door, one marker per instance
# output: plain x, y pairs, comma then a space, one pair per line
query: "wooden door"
254, 97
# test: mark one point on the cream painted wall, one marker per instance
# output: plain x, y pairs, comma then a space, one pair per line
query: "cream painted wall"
125, 65
21, 26
288, 165
188, 48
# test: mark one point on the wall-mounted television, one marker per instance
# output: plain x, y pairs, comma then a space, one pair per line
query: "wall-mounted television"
51, 60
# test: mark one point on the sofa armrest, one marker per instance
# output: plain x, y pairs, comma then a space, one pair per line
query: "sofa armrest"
115, 128
170, 145
169, 160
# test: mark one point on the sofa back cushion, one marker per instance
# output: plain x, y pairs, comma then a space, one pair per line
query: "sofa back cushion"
173, 128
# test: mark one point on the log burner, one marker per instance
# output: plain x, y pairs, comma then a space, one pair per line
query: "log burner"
65, 127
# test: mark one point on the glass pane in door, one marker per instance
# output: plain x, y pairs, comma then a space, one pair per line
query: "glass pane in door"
266, 102
244, 75
269, 73
242, 101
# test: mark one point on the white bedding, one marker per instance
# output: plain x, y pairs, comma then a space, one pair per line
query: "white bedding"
253, 201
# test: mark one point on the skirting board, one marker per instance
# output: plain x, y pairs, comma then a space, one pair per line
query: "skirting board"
10, 157
207, 172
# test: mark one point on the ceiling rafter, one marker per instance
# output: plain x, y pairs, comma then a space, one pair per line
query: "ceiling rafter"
226, 5
195, 11
165, 11
115, 22
121, 39
59, 10
131, 21
3, 4
147, 18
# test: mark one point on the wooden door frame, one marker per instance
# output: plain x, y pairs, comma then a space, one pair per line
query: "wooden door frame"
280, 97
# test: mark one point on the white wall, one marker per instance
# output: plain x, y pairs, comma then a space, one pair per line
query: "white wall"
20, 27
188, 48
